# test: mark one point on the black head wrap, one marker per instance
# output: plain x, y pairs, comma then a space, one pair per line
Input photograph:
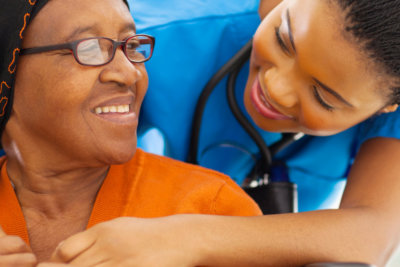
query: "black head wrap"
15, 16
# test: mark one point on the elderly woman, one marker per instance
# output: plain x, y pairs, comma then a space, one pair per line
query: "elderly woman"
72, 83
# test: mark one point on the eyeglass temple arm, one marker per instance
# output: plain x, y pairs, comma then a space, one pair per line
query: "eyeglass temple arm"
35, 50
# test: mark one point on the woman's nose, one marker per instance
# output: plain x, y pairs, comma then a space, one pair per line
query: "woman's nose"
120, 70
280, 88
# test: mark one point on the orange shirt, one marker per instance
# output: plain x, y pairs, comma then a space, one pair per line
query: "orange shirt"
146, 186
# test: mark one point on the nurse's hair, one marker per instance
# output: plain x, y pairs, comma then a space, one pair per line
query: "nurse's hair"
376, 25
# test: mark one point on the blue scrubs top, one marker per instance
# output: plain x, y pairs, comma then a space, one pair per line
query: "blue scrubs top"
193, 40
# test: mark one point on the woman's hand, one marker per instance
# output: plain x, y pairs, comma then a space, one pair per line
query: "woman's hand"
15, 252
129, 242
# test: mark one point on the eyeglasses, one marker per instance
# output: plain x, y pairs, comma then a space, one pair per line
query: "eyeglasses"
98, 51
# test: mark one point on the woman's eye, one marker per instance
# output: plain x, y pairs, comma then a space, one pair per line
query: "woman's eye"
87, 48
132, 45
280, 41
320, 100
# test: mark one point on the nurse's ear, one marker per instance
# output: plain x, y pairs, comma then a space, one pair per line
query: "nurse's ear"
389, 109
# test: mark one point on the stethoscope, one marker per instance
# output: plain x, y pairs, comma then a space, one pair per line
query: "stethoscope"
260, 175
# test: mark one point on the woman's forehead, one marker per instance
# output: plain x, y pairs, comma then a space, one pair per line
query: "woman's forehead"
74, 17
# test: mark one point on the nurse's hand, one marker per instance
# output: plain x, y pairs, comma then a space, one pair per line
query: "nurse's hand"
128, 242
15, 252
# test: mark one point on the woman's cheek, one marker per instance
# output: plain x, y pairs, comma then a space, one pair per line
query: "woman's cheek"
142, 84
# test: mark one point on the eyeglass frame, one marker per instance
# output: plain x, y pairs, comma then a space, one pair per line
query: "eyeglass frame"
72, 46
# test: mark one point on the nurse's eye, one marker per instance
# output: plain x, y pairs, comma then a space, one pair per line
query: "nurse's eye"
280, 41
320, 100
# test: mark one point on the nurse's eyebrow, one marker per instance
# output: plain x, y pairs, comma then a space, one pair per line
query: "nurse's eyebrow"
290, 30
332, 92
322, 85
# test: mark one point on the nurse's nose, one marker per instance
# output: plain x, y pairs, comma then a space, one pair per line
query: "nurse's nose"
280, 88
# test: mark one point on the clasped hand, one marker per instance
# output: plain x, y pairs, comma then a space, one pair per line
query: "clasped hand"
119, 242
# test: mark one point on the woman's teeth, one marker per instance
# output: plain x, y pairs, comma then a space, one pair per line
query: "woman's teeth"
112, 109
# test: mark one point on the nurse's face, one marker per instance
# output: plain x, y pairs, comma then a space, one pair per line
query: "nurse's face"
307, 75
89, 114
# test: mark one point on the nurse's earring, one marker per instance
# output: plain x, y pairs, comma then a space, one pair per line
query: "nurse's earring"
389, 109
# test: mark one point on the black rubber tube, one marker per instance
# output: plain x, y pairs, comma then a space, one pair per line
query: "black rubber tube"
265, 152
202, 101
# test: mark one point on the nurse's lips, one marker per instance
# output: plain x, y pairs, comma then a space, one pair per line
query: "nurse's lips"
262, 105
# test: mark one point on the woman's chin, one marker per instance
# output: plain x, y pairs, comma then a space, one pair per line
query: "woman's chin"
120, 157
118, 153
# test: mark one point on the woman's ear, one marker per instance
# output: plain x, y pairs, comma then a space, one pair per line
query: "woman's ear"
389, 109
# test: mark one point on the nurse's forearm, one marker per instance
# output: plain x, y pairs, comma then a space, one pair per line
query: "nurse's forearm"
293, 239
266, 6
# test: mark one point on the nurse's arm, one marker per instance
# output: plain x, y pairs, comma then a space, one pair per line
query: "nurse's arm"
364, 229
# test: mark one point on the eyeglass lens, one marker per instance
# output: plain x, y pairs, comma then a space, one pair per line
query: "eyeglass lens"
98, 51
138, 48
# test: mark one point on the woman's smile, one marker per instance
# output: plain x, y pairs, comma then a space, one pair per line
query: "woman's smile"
119, 110
262, 104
